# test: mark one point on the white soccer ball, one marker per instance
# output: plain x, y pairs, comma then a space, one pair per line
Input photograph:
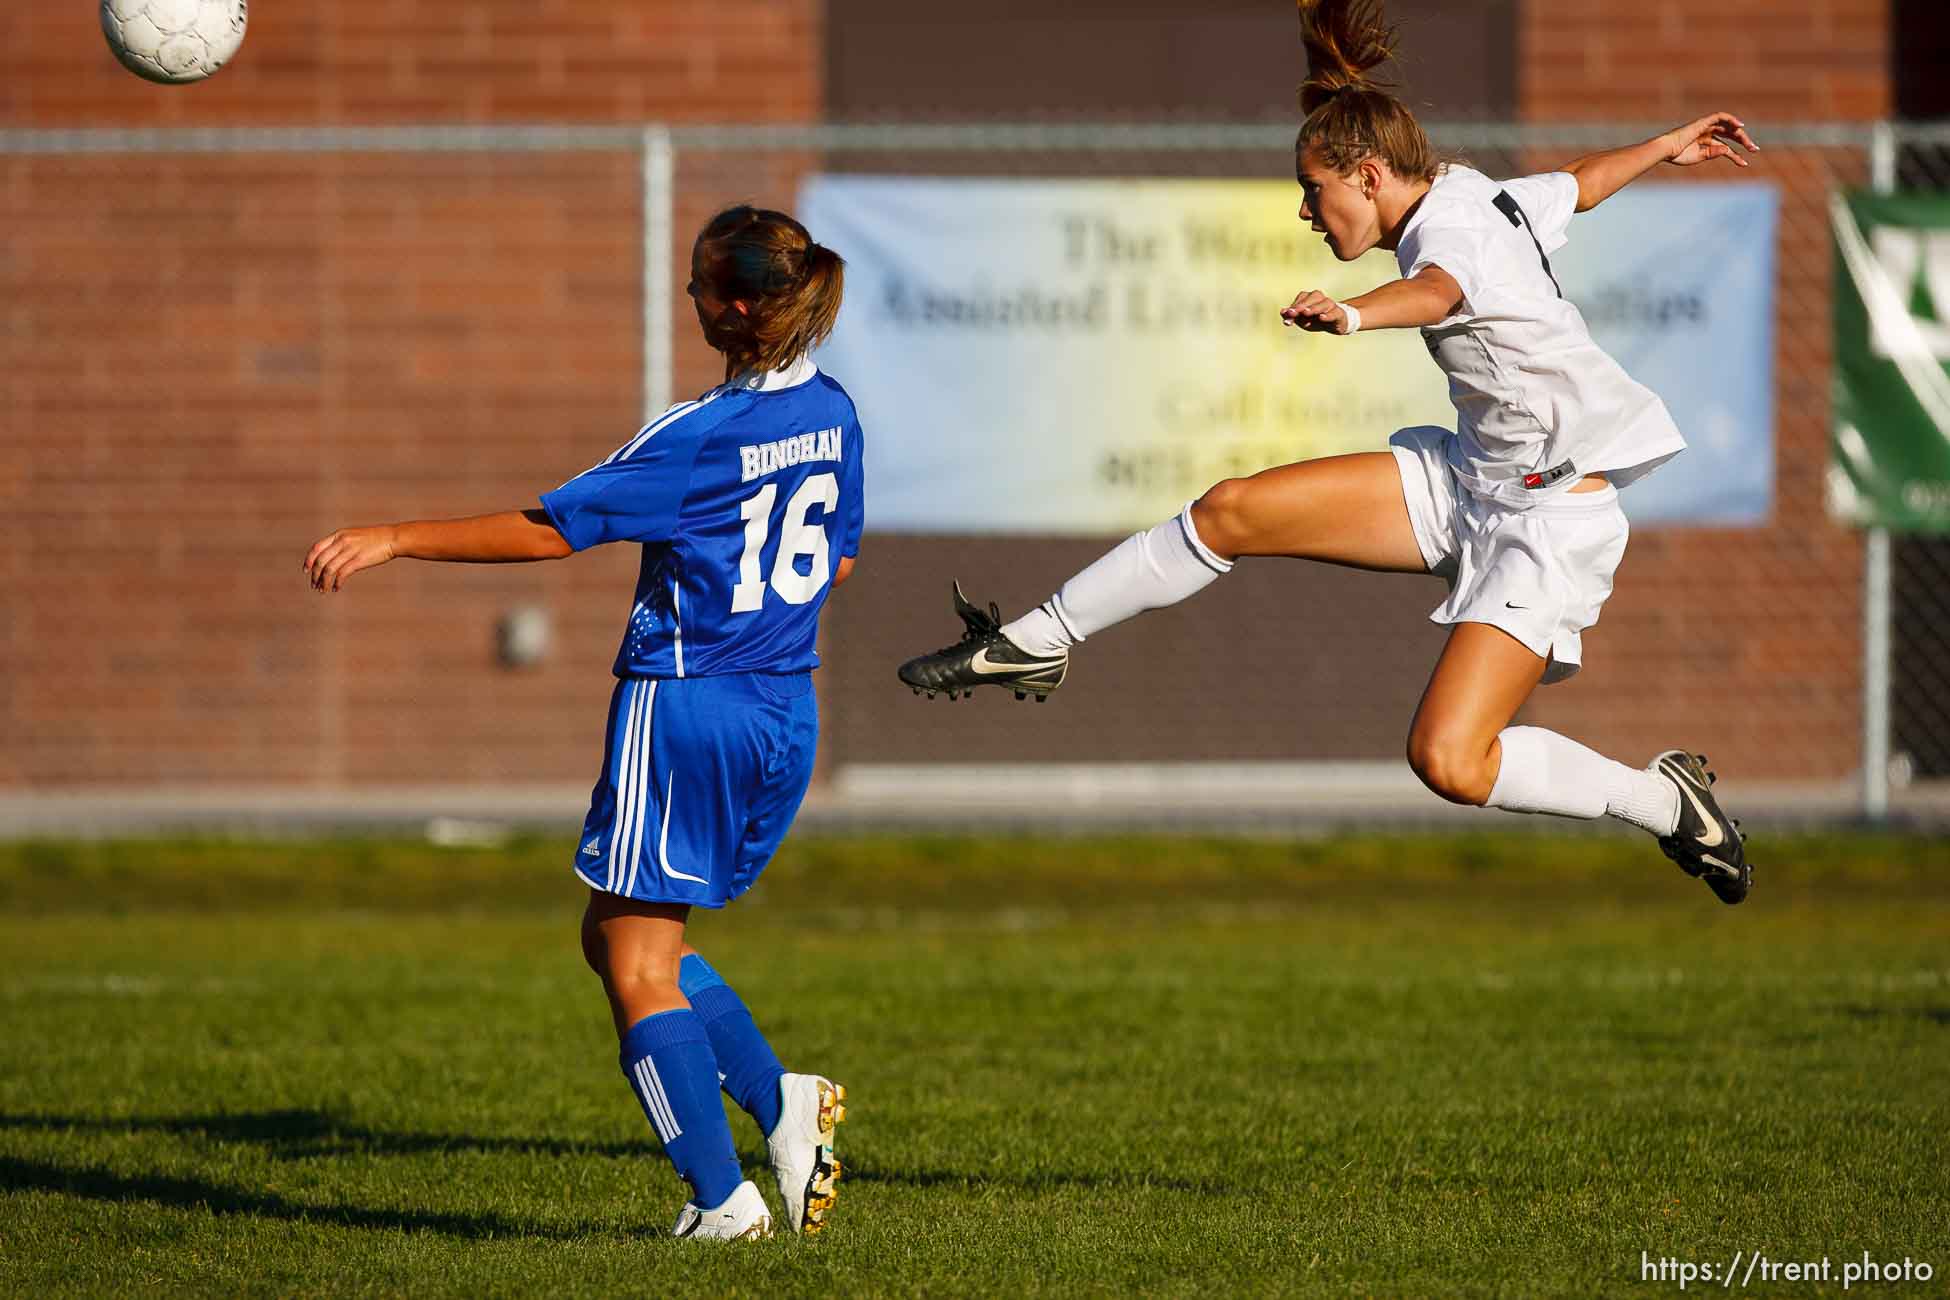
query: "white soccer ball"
173, 41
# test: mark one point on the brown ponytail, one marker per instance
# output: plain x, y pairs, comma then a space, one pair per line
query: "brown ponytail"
1350, 118
790, 287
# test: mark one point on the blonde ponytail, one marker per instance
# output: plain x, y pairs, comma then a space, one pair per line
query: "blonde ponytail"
803, 318
1349, 117
1344, 40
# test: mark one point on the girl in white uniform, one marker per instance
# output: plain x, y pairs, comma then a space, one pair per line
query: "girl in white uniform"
1517, 507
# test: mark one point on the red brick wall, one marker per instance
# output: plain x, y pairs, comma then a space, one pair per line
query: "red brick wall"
1746, 643
1649, 60
207, 361
440, 61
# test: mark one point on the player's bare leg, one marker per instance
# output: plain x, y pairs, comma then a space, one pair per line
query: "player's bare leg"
1479, 683
1462, 747
1345, 510
634, 949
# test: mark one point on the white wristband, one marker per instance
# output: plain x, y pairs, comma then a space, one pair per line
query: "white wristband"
1353, 315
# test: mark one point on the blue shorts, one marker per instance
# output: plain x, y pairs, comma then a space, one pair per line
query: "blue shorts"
701, 778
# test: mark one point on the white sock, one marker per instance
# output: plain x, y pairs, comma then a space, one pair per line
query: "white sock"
1543, 772
1147, 570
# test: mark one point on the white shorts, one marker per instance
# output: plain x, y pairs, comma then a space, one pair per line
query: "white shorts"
1539, 574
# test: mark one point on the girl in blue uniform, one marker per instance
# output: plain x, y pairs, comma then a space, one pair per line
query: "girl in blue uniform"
747, 504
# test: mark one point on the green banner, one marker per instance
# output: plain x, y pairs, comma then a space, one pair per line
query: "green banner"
1890, 444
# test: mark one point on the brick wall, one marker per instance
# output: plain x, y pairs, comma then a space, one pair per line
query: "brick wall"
208, 361
1745, 643
1649, 60
440, 61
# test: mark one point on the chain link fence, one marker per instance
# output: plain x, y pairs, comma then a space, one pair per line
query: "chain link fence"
274, 332
1919, 610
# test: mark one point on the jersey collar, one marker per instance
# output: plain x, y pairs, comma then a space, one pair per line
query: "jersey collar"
771, 381
1414, 218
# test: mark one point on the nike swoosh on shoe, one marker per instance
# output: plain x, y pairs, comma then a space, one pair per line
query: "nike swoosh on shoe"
981, 663
1714, 836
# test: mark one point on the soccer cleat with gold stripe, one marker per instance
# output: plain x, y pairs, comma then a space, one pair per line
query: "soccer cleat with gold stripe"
801, 1148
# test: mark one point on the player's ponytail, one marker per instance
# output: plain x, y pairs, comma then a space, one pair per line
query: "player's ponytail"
789, 287
803, 322
1349, 117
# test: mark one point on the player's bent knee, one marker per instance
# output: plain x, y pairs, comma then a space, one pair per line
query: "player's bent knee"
643, 991
1451, 770
1221, 517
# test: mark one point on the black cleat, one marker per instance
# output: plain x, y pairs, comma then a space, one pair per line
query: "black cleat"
984, 657
1706, 843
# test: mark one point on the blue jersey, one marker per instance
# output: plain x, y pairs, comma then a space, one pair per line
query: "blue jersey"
745, 500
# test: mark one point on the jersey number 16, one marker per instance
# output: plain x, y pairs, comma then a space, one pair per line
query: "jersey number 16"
797, 536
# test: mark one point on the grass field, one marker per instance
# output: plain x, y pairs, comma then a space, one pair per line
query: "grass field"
1392, 1067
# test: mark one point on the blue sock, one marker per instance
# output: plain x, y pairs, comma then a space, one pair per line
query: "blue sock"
667, 1059
751, 1068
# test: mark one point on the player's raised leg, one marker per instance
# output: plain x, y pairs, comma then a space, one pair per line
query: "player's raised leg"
1345, 510
1463, 747
795, 1112
666, 1056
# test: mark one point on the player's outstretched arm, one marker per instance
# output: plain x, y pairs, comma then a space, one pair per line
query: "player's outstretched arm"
509, 537
1428, 296
1601, 175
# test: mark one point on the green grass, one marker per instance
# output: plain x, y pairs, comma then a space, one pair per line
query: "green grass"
1361, 1066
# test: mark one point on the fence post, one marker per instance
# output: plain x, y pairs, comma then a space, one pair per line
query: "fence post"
659, 206
1877, 608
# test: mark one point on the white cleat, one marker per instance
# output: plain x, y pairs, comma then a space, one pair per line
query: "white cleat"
742, 1215
802, 1148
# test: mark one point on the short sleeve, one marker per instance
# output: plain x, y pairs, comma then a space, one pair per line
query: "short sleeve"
1548, 201
634, 496
853, 497
1455, 247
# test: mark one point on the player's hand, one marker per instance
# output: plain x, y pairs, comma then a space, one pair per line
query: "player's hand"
1315, 311
1712, 136
334, 559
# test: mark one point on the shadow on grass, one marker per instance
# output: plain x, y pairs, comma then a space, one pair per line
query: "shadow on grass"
312, 1134
1935, 1015
308, 1134
192, 1193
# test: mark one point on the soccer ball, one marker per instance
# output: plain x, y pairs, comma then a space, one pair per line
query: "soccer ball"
173, 40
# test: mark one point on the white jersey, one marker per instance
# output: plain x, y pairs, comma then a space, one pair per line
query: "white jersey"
1540, 404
